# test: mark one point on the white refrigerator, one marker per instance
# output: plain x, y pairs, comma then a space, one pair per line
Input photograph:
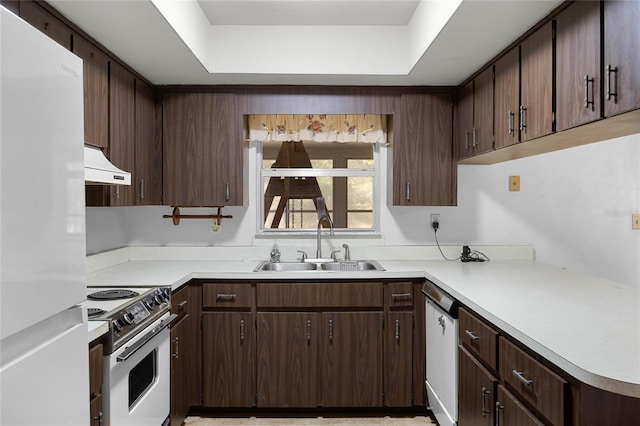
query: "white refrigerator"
44, 372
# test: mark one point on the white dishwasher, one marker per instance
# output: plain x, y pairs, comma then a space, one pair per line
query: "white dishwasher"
441, 354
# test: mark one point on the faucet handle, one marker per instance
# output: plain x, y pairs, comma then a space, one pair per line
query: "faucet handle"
304, 255
347, 254
333, 254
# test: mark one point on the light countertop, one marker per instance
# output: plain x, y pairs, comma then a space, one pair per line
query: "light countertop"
97, 329
587, 326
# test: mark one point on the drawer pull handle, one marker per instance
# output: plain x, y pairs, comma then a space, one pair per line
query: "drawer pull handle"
520, 376
397, 329
226, 296
181, 305
401, 296
485, 392
474, 337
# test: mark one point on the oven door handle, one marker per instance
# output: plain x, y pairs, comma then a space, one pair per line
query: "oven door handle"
130, 350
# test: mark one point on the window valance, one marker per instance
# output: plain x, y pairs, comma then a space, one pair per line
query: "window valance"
371, 128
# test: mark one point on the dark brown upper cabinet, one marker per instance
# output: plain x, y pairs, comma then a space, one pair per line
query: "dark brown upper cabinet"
202, 150
621, 56
474, 132
507, 98
43, 20
578, 82
423, 172
535, 115
148, 148
122, 131
96, 91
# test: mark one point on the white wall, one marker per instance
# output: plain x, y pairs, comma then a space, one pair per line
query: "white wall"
574, 207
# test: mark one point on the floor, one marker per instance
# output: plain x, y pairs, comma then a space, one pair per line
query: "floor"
333, 421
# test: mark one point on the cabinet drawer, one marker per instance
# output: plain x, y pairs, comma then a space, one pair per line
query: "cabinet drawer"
478, 337
220, 295
400, 294
180, 301
534, 382
319, 295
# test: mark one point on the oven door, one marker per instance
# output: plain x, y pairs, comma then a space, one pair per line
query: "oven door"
137, 386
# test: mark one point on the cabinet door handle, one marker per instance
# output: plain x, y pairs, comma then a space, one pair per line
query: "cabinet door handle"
142, 189
485, 392
588, 102
227, 191
397, 330
523, 126
499, 407
472, 335
175, 353
226, 297
116, 192
474, 138
520, 376
308, 331
466, 140
442, 322
331, 330
99, 418
609, 92
510, 118
400, 296
241, 330
408, 191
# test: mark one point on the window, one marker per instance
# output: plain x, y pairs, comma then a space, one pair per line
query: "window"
294, 173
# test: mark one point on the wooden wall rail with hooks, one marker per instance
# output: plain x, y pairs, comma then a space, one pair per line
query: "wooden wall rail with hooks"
176, 216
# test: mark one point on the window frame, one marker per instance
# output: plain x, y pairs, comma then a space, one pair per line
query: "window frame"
310, 172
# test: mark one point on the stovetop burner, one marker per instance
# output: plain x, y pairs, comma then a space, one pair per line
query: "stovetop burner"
95, 312
112, 294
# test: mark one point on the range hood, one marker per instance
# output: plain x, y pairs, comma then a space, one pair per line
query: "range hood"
98, 170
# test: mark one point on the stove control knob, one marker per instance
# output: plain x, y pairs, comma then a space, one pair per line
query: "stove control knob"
117, 325
150, 303
159, 298
127, 317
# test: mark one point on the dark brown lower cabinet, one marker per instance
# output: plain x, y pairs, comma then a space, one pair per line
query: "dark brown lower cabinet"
96, 351
287, 359
398, 359
476, 391
509, 411
228, 359
179, 371
351, 348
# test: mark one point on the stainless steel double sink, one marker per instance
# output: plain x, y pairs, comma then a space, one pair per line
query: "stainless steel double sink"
339, 265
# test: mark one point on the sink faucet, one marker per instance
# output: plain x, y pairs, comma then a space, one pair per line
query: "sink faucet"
322, 217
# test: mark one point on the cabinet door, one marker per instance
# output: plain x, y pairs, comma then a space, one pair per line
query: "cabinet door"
398, 372
476, 391
351, 360
34, 14
464, 121
536, 107
509, 411
423, 172
621, 59
507, 90
179, 370
148, 148
122, 130
228, 359
287, 359
578, 64
96, 91
202, 149
482, 132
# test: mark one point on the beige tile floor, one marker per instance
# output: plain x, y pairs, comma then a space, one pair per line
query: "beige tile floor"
310, 421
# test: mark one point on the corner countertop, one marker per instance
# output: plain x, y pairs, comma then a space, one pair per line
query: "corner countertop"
587, 326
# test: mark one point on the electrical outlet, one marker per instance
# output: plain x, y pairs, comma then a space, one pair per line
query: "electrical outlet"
635, 222
434, 218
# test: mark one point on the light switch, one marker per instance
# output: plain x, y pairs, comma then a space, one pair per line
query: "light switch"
514, 183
